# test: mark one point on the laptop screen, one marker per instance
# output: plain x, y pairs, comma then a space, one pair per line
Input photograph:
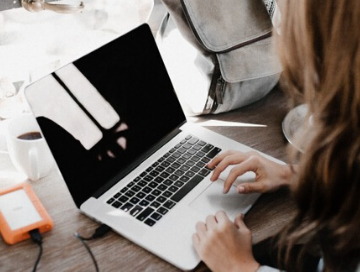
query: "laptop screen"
102, 112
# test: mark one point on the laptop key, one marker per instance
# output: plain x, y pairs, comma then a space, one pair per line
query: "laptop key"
116, 204
167, 182
136, 210
190, 163
169, 204
195, 169
140, 195
162, 210
207, 148
123, 199
165, 164
204, 172
130, 184
156, 192
176, 165
147, 190
179, 184
150, 197
173, 177
193, 140
126, 207
161, 199
190, 174
184, 179
164, 174
123, 190
141, 183
136, 188
144, 214
201, 143
167, 194
159, 168
205, 159
129, 193
117, 195
156, 216
111, 200
153, 184
148, 178
144, 203
187, 188
134, 200
170, 170
154, 173
155, 204
173, 189
137, 179
149, 222
213, 152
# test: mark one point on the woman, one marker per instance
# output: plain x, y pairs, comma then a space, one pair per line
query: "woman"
319, 47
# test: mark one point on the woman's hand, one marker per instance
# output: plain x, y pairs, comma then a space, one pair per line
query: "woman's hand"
224, 245
269, 175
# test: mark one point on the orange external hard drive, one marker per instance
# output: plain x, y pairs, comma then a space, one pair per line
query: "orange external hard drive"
20, 212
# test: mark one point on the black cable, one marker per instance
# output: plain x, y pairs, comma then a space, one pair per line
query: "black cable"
36, 238
99, 232
88, 249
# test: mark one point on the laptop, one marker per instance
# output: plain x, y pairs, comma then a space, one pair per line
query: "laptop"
125, 150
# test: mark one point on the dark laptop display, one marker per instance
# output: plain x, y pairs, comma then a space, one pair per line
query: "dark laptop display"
138, 119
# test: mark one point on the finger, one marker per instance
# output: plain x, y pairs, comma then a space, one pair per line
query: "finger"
196, 240
221, 217
254, 187
239, 222
231, 159
210, 222
200, 229
215, 161
246, 166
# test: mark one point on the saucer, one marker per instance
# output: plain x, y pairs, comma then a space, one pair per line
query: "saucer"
293, 125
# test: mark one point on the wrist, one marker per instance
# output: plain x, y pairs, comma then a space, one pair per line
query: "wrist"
251, 266
287, 174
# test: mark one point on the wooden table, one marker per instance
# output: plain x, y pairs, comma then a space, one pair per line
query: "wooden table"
63, 252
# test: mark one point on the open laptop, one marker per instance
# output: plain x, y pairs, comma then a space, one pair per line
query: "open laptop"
122, 144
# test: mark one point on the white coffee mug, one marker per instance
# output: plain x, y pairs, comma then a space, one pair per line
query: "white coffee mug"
27, 147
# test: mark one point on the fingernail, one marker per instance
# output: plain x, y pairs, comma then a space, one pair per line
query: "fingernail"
241, 189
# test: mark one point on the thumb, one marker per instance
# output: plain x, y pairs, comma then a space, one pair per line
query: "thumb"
253, 187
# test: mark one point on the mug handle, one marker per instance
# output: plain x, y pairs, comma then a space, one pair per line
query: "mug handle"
34, 164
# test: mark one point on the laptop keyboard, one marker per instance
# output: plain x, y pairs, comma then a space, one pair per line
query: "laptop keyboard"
155, 191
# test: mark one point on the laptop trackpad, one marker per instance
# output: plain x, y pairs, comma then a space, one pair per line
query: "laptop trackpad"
212, 200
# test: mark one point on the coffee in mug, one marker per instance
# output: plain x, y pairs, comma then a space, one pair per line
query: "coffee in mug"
27, 148
34, 135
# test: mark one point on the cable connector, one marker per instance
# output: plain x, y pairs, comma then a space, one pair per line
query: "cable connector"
36, 236
37, 239
101, 231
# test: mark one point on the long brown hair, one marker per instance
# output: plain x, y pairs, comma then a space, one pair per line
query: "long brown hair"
319, 47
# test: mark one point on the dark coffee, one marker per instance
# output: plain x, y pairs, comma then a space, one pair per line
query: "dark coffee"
34, 135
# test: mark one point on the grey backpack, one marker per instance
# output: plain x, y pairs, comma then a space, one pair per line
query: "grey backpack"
219, 53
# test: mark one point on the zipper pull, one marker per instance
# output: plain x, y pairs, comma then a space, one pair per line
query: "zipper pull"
219, 91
